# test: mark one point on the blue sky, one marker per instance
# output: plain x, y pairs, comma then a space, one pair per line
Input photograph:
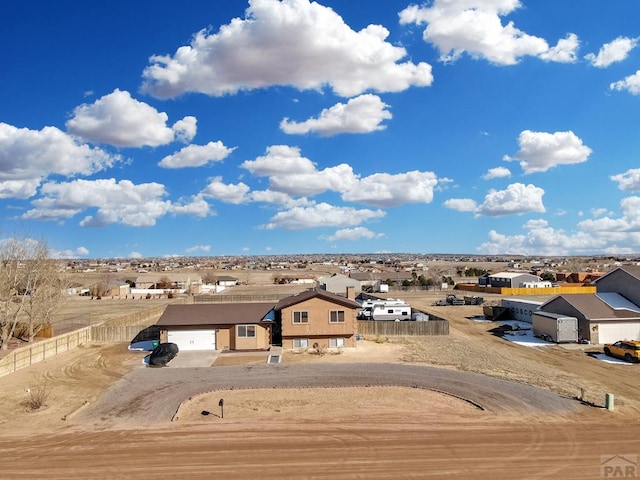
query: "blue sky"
153, 128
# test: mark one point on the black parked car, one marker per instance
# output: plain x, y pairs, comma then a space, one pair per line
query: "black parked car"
161, 355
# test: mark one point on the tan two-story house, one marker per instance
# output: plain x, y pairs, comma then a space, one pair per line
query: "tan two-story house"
317, 318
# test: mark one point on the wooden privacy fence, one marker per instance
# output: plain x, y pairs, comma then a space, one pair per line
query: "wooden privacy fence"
275, 298
123, 329
37, 352
403, 329
137, 318
115, 333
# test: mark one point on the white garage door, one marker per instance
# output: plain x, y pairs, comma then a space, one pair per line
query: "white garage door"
612, 332
193, 339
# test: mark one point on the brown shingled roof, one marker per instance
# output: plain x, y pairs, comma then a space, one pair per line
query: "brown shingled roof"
313, 293
214, 314
594, 308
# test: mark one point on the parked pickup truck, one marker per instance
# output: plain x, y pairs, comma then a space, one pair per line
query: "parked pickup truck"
627, 349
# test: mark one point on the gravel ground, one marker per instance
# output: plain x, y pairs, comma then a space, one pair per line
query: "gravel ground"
147, 397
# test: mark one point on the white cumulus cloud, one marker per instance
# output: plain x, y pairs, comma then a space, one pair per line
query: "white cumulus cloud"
630, 84
565, 51
352, 234
198, 248
498, 172
321, 215
363, 114
289, 42
517, 199
629, 220
540, 151
612, 52
541, 239
392, 190
197, 155
278, 198
28, 157
475, 27
461, 204
294, 175
120, 120
137, 205
279, 159
596, 236
226, 192
629, 180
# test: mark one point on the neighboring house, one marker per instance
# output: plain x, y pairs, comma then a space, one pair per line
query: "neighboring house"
338, 283
602, 318
609, 315
319, 317
227, 281
623, 280
298, 279
508, 279
120, 289
218, 326
374, 279
179, 281
584, 278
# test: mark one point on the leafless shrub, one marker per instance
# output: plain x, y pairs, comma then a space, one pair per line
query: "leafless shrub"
37, 394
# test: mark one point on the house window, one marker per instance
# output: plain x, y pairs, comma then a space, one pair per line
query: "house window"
300, 343
246, 331
300, 317
336, 316
336, 342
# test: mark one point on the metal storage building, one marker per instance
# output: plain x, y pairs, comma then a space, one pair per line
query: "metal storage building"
519, 309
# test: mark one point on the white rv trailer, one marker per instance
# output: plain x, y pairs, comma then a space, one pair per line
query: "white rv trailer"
367, 305
394, 310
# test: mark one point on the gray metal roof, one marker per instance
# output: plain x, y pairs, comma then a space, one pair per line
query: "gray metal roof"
617, 301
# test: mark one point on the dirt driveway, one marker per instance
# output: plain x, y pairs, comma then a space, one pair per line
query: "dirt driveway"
152, 396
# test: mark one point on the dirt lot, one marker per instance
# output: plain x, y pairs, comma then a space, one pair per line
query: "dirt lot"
376, 431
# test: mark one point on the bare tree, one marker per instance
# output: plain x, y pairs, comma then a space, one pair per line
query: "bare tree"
209, 278
31, 287
164, 283
435, 274
105, 286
